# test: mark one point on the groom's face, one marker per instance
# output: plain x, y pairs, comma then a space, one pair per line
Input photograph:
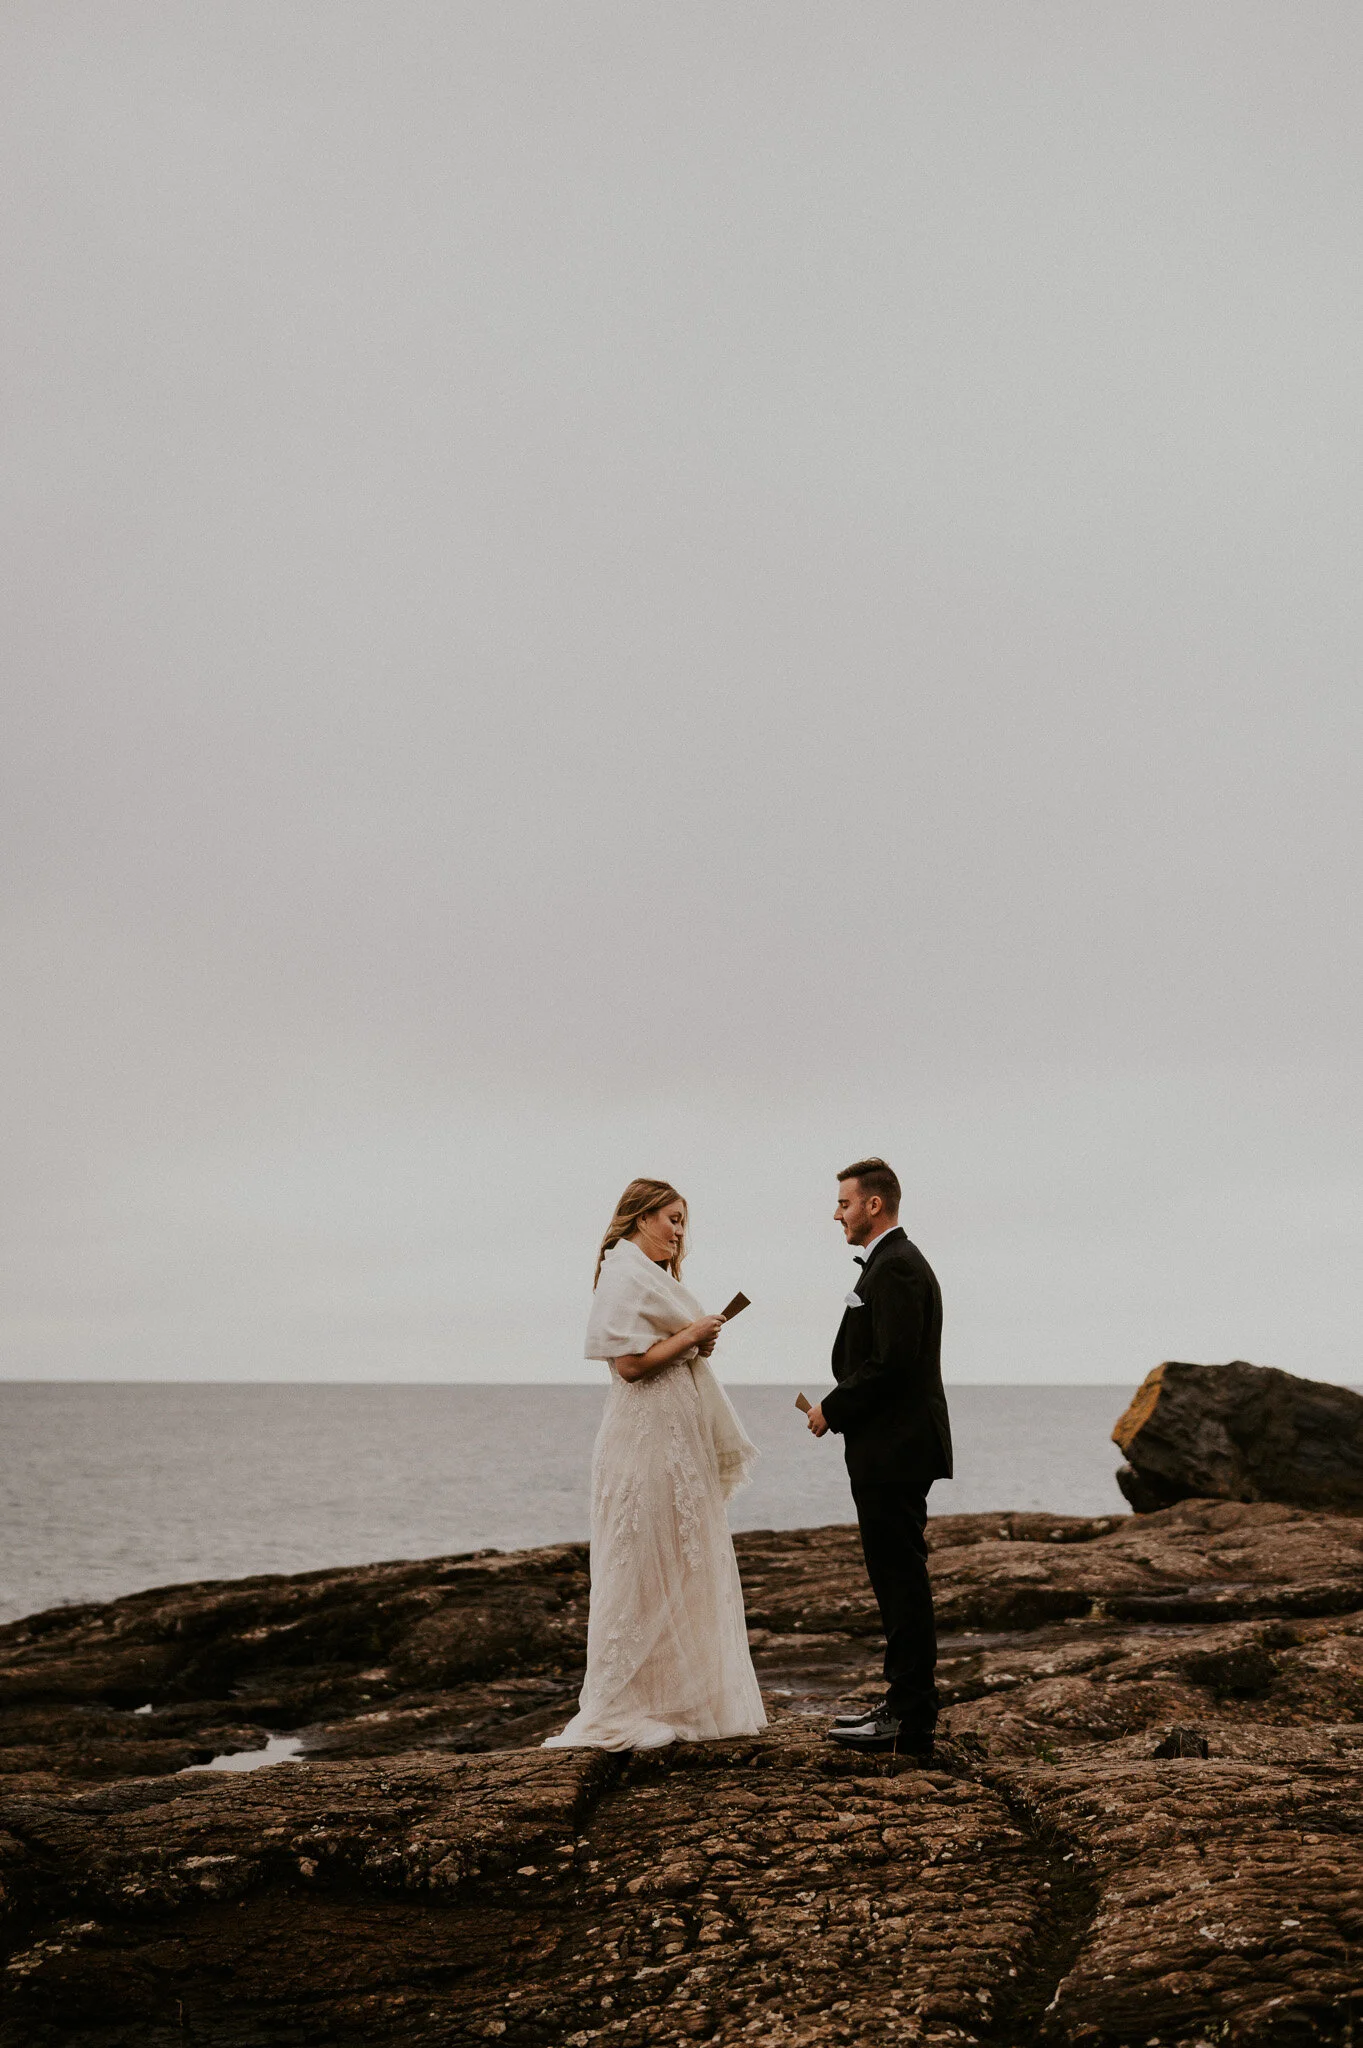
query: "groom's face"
860, 1215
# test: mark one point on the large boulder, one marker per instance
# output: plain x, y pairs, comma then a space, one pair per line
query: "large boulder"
1240, 1432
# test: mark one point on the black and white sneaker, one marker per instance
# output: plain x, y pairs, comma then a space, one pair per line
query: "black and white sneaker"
878, 1732
861, 1714
884, 1734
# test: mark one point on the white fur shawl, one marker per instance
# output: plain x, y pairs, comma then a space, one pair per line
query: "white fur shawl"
635, 1304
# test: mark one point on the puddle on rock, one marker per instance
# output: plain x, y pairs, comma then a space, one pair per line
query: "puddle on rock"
279, 1749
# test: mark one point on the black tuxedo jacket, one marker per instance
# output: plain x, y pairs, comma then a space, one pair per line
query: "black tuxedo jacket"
888, 1405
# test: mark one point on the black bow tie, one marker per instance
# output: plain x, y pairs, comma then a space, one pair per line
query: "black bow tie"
856, 1261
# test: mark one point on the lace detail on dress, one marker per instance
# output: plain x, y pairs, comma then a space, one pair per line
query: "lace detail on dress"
667, 1643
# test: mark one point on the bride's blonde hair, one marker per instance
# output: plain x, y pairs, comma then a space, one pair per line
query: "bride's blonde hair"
640, 1199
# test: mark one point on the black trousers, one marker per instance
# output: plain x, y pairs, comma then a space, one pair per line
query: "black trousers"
891, 1515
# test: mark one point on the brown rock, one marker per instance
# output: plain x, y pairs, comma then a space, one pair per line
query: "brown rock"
1145, 1824
522, 1897
1183, 1742
1228, 1899
1241, 1432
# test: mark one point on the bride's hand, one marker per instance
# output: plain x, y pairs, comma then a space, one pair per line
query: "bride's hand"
705, 1334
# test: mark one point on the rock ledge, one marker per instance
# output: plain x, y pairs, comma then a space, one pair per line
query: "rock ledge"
1147, 1823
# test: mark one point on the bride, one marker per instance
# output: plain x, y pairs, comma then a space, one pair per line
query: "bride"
667, 1643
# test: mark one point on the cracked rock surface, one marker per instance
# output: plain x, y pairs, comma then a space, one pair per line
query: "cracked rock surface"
425, 1873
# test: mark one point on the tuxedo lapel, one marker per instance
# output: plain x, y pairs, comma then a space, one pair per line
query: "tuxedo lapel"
888, 1402
895, 1236
885, 1243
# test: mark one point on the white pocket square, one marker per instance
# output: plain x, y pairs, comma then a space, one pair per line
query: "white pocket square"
853, 1300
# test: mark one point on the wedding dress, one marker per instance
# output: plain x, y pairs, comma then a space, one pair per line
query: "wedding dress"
667, 1640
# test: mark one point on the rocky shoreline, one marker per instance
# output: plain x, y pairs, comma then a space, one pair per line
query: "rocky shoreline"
1077, 1870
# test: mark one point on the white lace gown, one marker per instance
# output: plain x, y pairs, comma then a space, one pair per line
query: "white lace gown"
667, 1639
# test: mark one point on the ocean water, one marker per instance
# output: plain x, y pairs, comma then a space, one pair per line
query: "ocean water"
109, 1488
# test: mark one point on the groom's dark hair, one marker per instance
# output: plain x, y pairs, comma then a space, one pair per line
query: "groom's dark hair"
874, 1177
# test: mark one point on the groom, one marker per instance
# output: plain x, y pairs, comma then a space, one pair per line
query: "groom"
891, 1413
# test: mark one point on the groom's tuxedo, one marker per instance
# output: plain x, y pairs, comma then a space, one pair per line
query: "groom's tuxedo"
888, 1405
891, 1413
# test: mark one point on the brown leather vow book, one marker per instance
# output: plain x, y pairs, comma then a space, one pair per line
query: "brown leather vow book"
736, 1307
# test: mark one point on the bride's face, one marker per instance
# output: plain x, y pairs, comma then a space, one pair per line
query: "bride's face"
660, 1232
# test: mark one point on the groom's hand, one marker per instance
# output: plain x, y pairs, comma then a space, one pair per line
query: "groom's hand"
816, 1421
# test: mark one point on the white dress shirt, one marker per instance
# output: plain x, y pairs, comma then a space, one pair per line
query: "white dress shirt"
861, 1253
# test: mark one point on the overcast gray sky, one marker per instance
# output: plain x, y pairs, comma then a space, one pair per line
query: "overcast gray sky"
695, 589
